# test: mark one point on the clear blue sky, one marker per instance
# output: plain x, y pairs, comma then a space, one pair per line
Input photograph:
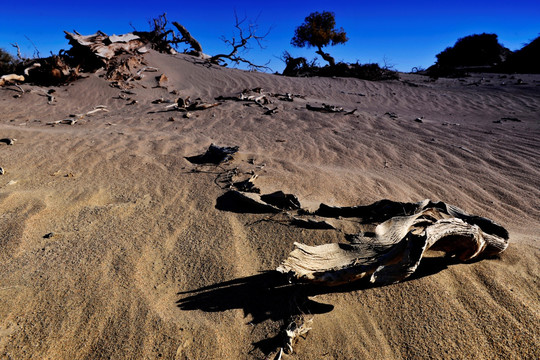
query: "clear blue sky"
404, 33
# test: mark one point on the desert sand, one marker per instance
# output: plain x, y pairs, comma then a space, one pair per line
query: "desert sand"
112, 246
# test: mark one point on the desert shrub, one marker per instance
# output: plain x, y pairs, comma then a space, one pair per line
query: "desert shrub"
7, 63
525, 60
479, 50
474, 50
301, 67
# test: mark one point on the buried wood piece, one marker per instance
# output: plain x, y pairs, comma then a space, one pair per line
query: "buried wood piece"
298, 327
96, 109
162, 80
398, 244
185, 104
65, 121
254, 95
311, 223
281, 200
329, 109
8, 141
238, 201
247, 185
279, 354
214, 155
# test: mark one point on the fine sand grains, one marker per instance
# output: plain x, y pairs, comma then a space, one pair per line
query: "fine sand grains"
134, 227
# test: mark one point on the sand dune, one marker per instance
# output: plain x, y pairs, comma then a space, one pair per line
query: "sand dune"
137, 241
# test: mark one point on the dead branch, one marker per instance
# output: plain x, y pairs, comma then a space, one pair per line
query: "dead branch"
36, 51
19, 56
241, 42
187, 38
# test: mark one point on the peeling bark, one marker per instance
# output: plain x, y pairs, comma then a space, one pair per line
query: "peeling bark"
398, 245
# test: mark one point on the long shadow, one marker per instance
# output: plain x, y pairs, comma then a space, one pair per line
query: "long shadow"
270, 296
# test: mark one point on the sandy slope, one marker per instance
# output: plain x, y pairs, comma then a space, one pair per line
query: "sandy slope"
134, 227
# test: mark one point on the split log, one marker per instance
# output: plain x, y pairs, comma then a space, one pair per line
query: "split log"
398, 245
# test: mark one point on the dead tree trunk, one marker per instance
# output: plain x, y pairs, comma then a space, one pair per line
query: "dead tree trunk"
187, 38
326, 57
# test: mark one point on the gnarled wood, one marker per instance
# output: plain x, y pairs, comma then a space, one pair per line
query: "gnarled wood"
398, 244
187, 38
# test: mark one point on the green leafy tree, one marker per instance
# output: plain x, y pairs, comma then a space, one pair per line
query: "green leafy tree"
318, 30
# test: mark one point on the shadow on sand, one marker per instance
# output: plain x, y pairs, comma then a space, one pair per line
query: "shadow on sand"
270, 296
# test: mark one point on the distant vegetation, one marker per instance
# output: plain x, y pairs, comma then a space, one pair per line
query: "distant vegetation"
8, 64
302, 67
525, 60
319, 30
483, 52
473, 53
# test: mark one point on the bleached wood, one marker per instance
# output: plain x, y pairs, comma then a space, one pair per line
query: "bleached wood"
398, 246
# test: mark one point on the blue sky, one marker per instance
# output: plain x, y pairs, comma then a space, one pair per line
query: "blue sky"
403, 34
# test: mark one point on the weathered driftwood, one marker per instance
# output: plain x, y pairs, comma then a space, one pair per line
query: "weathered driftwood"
10, 79
65, 121
104, 46
258, 97
394, 251
330, 109
185, 104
